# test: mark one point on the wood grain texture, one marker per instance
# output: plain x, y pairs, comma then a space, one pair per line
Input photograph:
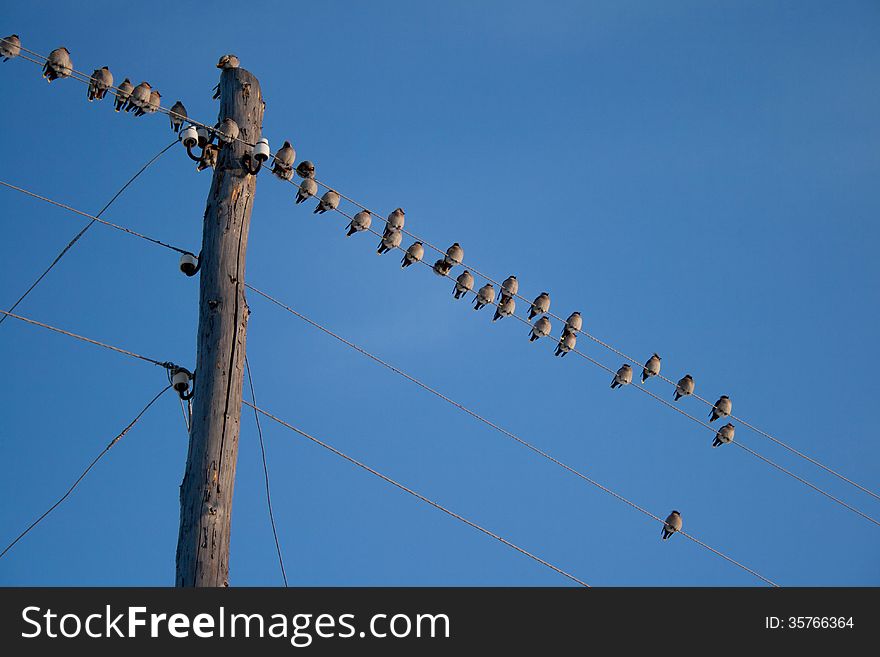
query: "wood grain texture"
209, 480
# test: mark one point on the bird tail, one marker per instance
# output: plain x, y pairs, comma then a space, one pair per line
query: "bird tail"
666, 533
644, 376
497, 315
558, 350
716, 442
404, 263
300, 198
351, 229
677, 395
532, 337
614, 384
478, 305
318, 209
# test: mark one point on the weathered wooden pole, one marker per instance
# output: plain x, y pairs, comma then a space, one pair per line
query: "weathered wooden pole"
206, 491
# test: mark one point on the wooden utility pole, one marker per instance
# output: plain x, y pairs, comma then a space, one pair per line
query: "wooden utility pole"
206, 491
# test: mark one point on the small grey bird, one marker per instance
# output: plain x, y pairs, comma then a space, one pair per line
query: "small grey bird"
463, 284
414, 253
454, 255
684, 387
623, 377
228, 61
209, 157
442, 268
573, 324
307, 188
566, 344
330, 201
10, 47
504, 309
123, 93
540, 329
651, 368
139, 98
99, 83
485, 296
361, 221
177, 116
724, 435
722, 408
540, 305
673, 524
389, 242
306, 169
58, 65
284, 159
227, 131
155, 103
395, 221
509, 287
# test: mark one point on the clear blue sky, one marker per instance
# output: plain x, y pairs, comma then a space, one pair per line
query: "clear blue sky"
699, 179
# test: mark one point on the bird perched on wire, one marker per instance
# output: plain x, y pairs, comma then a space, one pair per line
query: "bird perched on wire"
509, 287
58, 64
684, 387
330, 201
139, 98
123, 93
177, 115
307, 188
154, 103
227, 131
540, 305
573, 324
390, 241
441, 267
210, 153
566, 344
485, 296
395, 221
504, 309
414, 253
305, 169
226, 62
10, 47
623, 377
651, 368
721, 408
724, 435
463, 284
361, 221
454, 255
540, 329
284, 159
99, 83
673, 524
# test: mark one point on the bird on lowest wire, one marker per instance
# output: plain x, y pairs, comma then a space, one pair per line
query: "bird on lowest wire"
305, 169
58, 64
442, 267
414, 253
154, 103
623, 377
684, 387
463, 284
504, 309
721, 408
330, 201
651, 368
139, 98
10, 47
673, 524
177, 116
509, 287
360, 222
485, 296
307, 188
395, 221
227, 131
123, 93
284, 159
724, 435
99, 83
540, 329
388, 242
540, 305
566, 344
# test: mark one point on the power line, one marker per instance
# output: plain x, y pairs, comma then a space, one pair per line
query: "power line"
87, 226
493, 425
100, 455
415, 494
247, 367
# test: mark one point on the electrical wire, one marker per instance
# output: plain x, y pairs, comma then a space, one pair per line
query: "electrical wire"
247, 367
86, 228
415, 494
493, 425
100, 455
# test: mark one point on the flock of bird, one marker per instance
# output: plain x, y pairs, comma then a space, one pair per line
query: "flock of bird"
143, 99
